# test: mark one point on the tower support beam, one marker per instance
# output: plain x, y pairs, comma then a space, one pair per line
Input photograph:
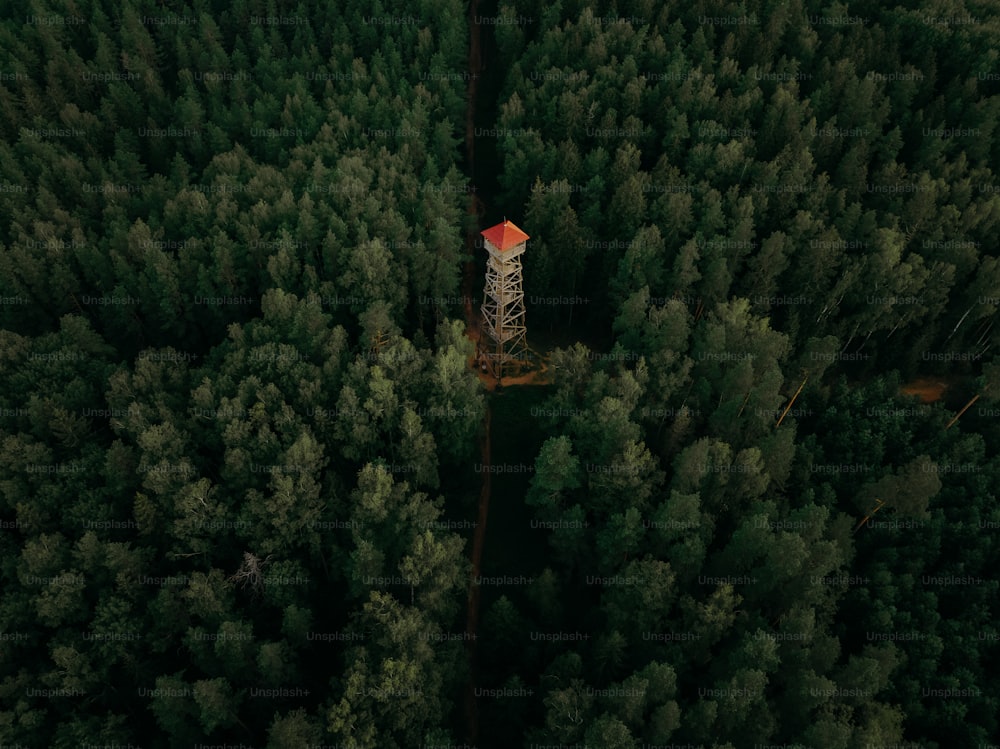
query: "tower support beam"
503, 300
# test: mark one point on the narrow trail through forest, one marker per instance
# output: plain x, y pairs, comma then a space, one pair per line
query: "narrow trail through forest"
475, 210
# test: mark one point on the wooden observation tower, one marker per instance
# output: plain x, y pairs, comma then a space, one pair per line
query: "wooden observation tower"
504, 345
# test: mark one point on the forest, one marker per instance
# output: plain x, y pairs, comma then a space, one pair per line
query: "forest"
244, 448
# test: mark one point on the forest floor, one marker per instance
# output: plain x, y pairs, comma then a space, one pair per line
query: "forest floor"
928, 389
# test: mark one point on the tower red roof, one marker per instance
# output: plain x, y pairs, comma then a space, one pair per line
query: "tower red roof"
505, 235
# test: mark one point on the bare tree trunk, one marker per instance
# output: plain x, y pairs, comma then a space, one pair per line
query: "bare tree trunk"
851, 338
986, 332
959, 323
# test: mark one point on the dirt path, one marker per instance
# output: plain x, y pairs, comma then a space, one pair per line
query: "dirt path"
472, 610
475, 211
928, 389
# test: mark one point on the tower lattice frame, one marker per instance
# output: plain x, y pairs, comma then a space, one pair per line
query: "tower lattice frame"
503, 300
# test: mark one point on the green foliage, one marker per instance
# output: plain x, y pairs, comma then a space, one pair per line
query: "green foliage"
237, 413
